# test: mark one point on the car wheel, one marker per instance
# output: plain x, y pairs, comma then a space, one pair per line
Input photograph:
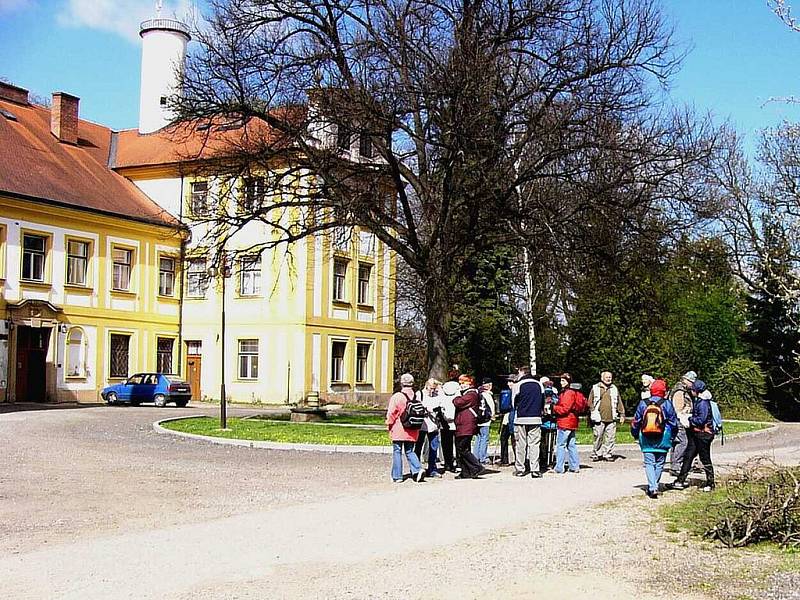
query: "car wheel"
111, 398
181, 403
160, 400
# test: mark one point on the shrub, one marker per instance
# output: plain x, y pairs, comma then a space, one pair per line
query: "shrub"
739, 386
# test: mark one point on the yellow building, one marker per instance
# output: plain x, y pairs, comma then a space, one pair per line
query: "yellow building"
89, 265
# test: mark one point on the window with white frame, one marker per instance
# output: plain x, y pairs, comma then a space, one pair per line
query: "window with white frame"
250, 275
75, 353
199, 198
337, 361
77, 262
196, 278
248, 359
164, 354
166, 276
123, 262
366, 243
34, 248
364, 276
253, 191
341, 239
120, 353
362, 362
365, 147
340, 280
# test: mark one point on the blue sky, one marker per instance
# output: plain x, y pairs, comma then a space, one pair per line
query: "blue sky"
741, 56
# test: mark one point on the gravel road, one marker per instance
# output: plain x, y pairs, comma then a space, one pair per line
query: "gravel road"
95, 504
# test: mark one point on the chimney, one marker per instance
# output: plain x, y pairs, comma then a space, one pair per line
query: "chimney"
13, 93
64, 117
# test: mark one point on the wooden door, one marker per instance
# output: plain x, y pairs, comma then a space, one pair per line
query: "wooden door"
31, 373
193, 369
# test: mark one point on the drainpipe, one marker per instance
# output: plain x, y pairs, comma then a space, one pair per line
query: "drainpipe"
180, 286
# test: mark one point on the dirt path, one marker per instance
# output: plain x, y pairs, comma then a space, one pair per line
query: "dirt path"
570, 536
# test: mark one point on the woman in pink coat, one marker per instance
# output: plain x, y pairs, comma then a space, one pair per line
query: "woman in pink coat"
402, 439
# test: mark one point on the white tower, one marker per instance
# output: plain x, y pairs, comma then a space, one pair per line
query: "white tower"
163, 55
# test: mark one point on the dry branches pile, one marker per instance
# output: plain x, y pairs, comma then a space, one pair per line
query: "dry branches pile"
762, 504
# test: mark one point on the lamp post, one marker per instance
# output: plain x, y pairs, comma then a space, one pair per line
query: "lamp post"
224, 272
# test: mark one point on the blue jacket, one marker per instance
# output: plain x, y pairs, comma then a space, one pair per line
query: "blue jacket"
528, 401
650, 443
701, 418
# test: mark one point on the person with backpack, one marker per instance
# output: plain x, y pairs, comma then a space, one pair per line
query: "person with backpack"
467, 405
654, 425
547, 447
571, 404
404, 423
507, 425
431, 401
528, 401
701, 435
480, 447
606, 409
681, 399
447, 425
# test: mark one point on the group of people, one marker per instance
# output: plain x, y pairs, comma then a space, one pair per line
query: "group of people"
540, 418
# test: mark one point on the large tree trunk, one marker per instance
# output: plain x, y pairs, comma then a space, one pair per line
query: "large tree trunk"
437, 317
530, 298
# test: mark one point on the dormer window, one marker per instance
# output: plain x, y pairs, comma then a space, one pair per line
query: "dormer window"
365, 148
344, 136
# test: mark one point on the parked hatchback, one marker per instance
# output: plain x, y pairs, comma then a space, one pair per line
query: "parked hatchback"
149, 387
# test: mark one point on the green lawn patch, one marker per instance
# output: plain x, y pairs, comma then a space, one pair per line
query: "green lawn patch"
277, 428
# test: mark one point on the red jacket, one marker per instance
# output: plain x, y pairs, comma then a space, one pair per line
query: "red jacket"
466, 419
566, 418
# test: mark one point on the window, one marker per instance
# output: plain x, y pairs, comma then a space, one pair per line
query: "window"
248, 359
119, 355
33, 251
366, 243
253, 194
344, 137
166, 276
250, 275
75, 353
164, 355
77, 262
364, 272
362, 363
341, 239
196, 278
199, 199
337, 361
194, 347
339, 280
365, 146
122, 259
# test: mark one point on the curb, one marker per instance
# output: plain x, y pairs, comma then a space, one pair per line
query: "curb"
331, 449
326, 448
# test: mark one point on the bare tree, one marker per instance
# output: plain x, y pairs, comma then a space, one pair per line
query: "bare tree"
478, 122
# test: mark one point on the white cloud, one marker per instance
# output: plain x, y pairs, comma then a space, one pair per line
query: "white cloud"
117, 16
12, 5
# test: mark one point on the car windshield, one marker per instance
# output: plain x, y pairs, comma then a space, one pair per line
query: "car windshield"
134, 379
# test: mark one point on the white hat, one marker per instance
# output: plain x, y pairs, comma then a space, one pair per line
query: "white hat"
451, 388
406, 380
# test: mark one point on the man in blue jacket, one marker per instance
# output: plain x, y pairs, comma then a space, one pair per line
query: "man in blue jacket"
528, 401
655, 425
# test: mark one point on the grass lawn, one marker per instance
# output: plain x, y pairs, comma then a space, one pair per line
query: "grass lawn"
277, 428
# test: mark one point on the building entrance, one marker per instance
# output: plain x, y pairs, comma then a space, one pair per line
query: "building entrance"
31, 375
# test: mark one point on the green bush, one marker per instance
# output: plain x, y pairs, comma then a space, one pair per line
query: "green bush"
739, 386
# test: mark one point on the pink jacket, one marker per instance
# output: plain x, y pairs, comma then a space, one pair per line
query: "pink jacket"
398, 433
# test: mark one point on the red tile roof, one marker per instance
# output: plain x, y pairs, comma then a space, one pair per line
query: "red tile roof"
35, 165
198, 141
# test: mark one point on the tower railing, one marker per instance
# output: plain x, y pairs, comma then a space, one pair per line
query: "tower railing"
168, 24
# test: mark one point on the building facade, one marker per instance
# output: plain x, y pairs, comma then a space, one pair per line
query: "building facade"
89, 265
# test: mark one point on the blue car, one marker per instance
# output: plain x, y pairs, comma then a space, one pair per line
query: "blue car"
148, 387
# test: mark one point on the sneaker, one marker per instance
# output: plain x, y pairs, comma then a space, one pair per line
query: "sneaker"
652, 494
419, 476
434, 474
519, 473
558, 472
707, 488
536, 474
679, 485
575, 471
597, 459
397, 481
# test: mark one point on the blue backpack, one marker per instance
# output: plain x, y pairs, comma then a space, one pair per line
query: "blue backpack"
505, 401
716, 421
